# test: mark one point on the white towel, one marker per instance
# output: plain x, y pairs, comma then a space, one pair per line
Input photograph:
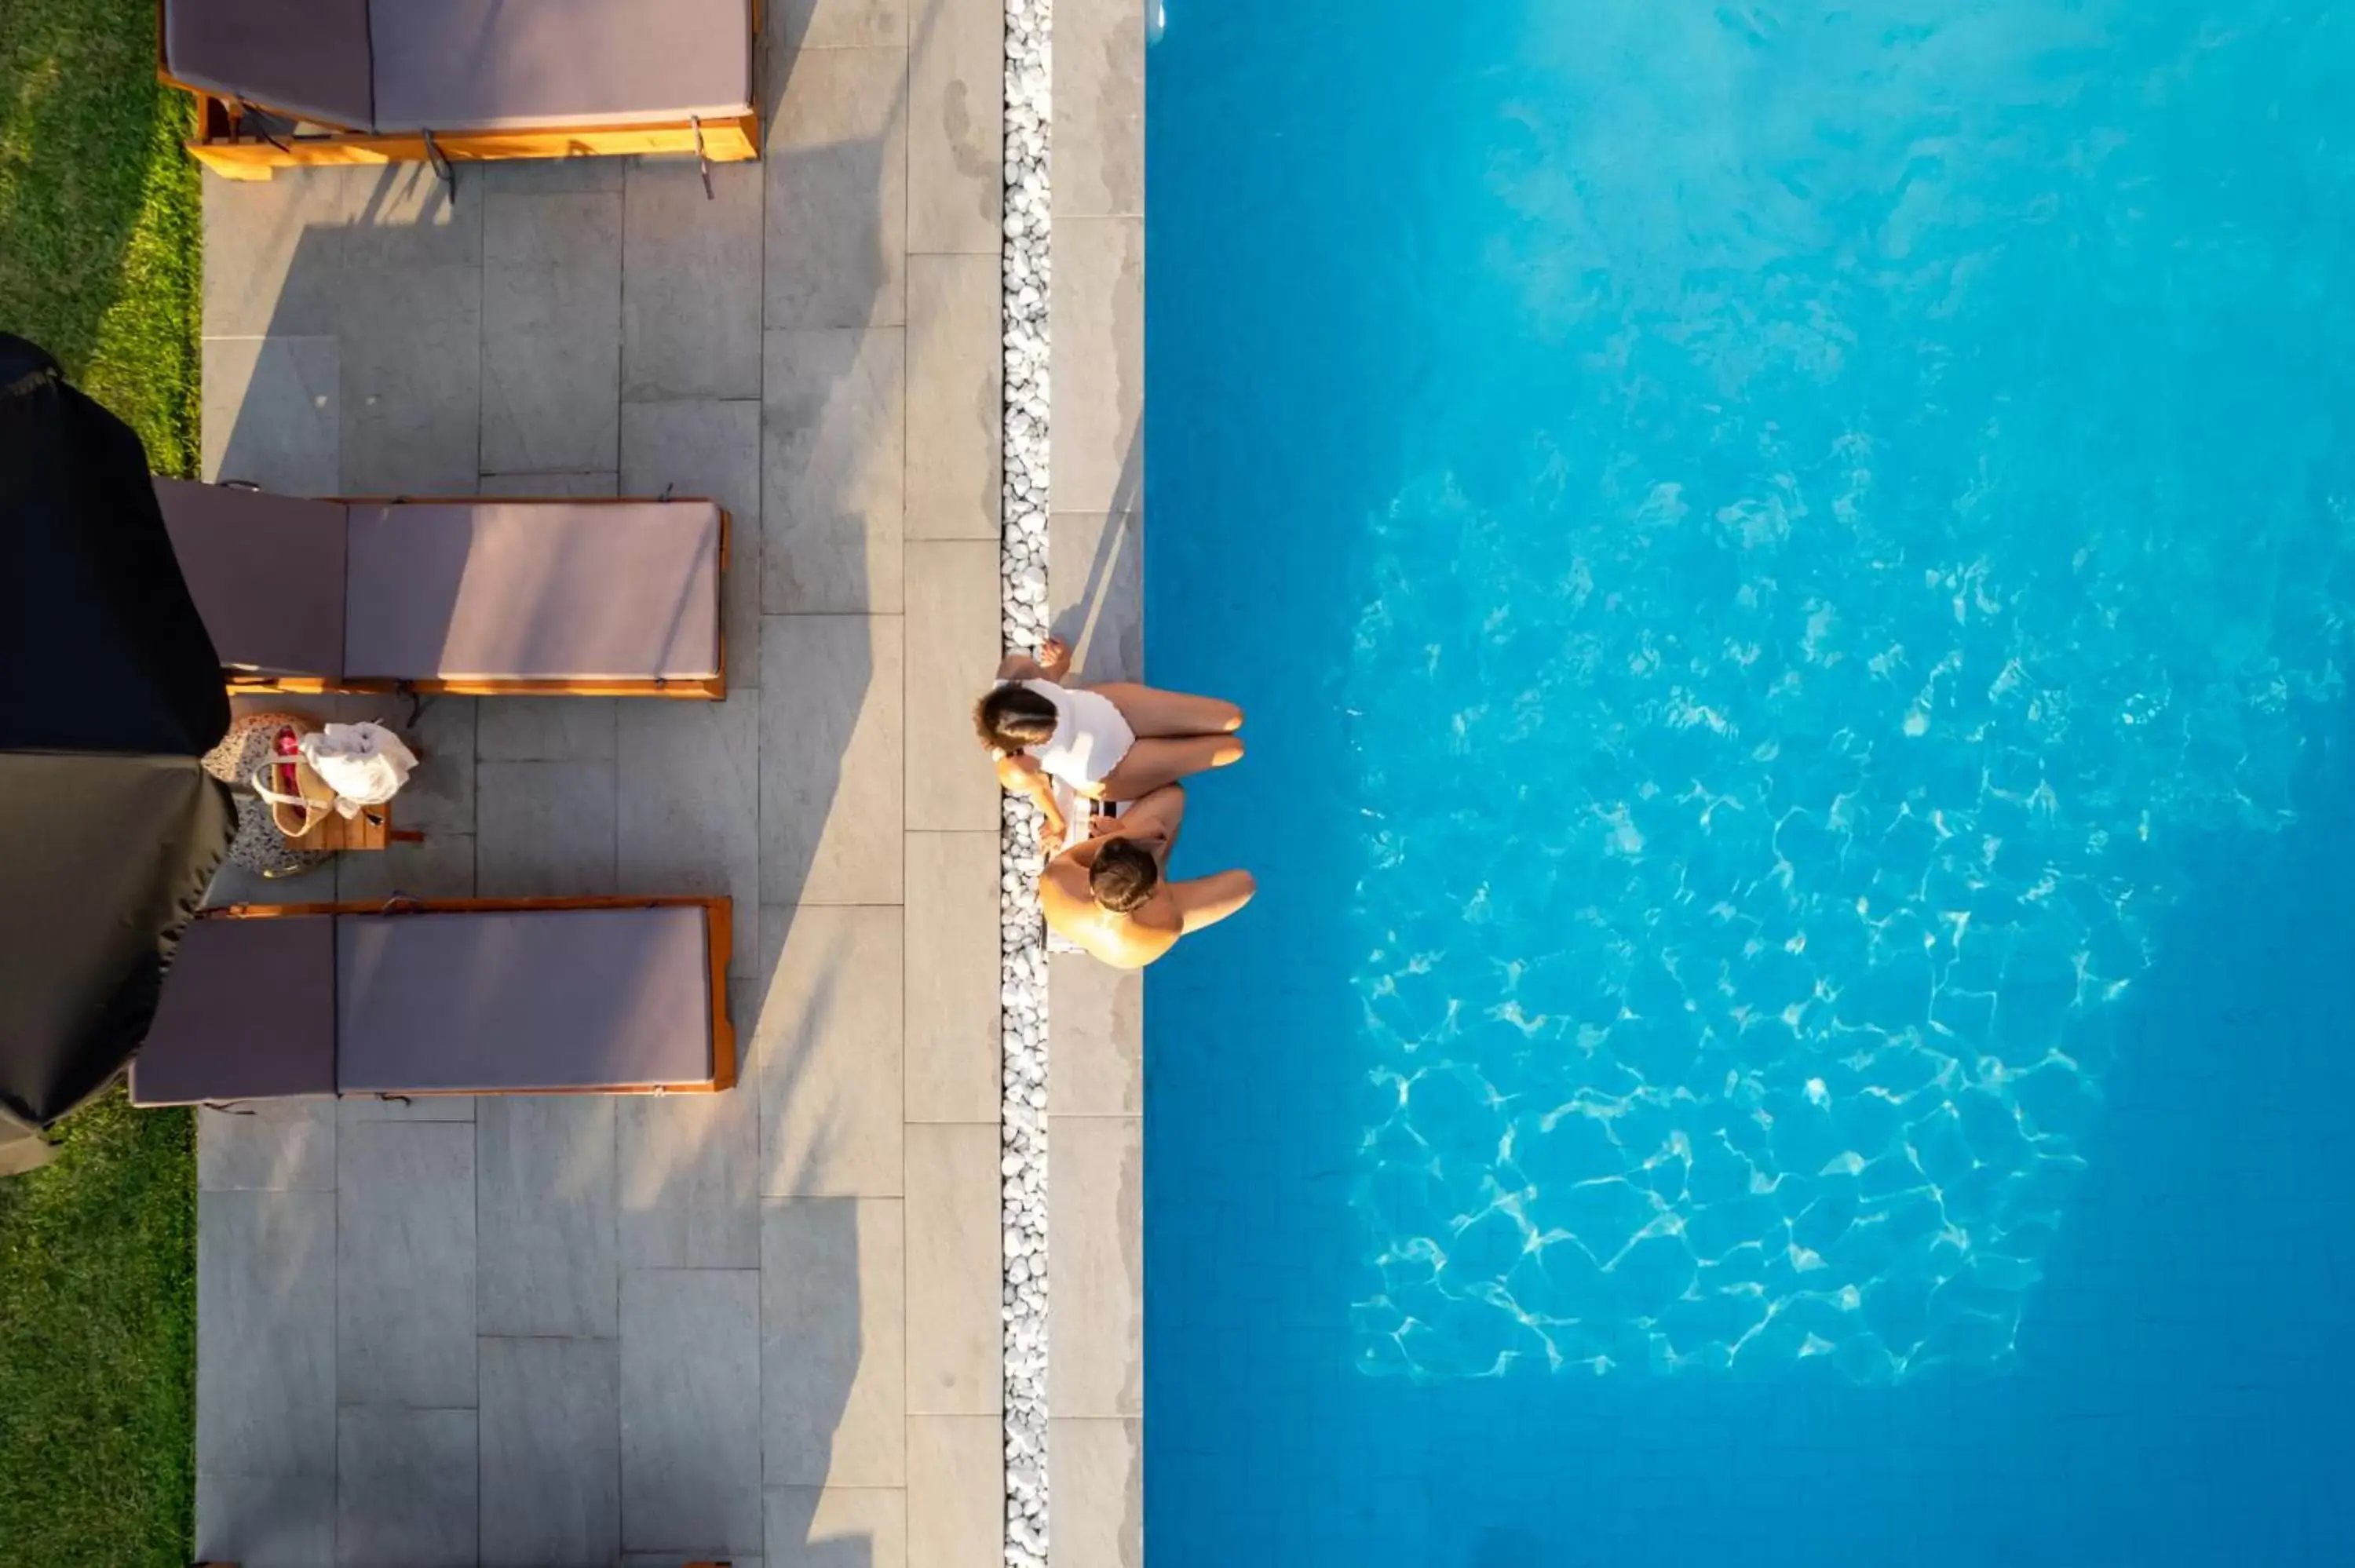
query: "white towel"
364, 764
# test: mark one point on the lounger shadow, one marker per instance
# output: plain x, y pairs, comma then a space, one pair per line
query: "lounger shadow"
448, 996
576, 594
284, 82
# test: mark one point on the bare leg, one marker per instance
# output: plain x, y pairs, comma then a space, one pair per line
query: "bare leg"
1158, 814
1151, 711
1150, 764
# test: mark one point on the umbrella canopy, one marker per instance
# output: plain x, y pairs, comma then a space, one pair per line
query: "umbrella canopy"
109, 693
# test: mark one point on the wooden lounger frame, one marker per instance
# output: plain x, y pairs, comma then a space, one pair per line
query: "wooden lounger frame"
224, 145
720, 938
255, 683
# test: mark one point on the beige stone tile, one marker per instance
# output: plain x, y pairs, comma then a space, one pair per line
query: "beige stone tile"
826, 1051
955, 403
953, 651
953, 1275
838, 24
956, 1490
831, 743
1095, 1257
953, 978
1097, 1469
836, 159
688, 789
1095, 591
689, 1173
835, 1527
832, 1343
956, 115
1099, 95
1095, 1038
709, 448
1096, 323
834, 415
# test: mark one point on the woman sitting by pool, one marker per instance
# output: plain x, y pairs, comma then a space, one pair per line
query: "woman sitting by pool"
1116, 741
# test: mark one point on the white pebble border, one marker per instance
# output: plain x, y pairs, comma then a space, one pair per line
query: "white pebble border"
1023, 561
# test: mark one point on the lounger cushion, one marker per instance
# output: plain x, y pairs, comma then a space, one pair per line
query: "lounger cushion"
267, 574
542, 999
515, 65
247, 1012
533, 590
307, 56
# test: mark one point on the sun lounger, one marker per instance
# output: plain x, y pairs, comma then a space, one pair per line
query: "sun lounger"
282, 83
474, 997
579, 596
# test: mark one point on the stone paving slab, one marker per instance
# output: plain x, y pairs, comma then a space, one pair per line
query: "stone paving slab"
688, 787
1096, 1477
956, 90
829, 1042
953, 1277
955, 396
837, 1526
271, 1145
1096, 1266
1095, 1039
552, 1459
266, 1521
1095, 590
1098, 94
710, 447
1096, 351
836, 161
551, 331
834, 1343
544, 1213
271, 412
405, 1488
952, 1019
952, 593
833, 459
690, 1413
691, 281
956, 1490
266, 1334
404, 1276
832, 735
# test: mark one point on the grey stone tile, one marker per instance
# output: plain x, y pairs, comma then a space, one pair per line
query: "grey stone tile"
546, 829
278, 1144
544, 1202
956, 119
404, 1278
953, 1054
267, 1522
690, 1177
1099, 96
236, 885
955, 406
709, 448
551, 1451
1095, 1235
275, 251
953, 650
681, 1560
1096, 1476
440, 796
827, 1049
548, 176
834, 415
442, 866
1095, 591
548, 729
689, 787
837, 158
551, 331
692, 1410
411, 381
540, 486
839, 24
271, 410
266, 1333
1096, 326
402, 216
832, 1343
691, 283
405, 1488
1095, 1038
359, 1109
831, 738
837, 1526
956, 1492
953, 1274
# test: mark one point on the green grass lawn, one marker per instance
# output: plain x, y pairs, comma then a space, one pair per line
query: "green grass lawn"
100, 229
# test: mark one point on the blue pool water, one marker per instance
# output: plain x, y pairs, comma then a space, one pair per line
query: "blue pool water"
1793, 570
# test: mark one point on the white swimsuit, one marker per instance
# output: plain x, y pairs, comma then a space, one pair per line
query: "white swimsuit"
1090, 739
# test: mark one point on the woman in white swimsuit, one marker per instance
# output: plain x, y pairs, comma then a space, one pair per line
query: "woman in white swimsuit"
1118, 741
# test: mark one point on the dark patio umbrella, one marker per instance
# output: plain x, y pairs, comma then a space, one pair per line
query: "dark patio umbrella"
110, 693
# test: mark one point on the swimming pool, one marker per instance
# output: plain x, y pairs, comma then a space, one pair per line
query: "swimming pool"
1793, 572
